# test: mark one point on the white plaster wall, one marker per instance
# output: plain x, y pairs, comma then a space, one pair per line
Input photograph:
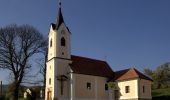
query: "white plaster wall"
97, 91
58, 63
66, 50
64, 69
50, 74
133, 84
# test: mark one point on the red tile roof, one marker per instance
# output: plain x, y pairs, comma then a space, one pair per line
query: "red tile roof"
88, 66
130, 74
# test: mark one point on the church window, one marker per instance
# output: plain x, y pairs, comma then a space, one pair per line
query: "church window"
88, 86
51, 43
49, 81
143, 89
63, 41
127, 89
106, 87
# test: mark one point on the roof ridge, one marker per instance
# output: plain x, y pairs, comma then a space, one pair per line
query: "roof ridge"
136, 71
90, 58
122, 70
130, 73
142, 74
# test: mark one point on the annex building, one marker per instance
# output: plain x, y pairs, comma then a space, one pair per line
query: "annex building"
71, 77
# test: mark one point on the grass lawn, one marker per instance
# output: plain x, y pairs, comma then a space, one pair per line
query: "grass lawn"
161, 94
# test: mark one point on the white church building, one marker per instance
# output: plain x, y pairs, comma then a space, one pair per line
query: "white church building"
71, 77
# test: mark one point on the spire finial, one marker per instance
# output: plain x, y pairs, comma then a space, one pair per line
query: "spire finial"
60, 19
59, 3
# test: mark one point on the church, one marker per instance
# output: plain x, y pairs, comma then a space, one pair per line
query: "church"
71, 77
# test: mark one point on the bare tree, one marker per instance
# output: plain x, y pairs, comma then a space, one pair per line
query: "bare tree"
17, 45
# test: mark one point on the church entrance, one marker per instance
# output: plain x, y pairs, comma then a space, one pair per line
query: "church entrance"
49, 95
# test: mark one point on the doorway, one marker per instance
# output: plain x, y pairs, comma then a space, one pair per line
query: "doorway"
49, 95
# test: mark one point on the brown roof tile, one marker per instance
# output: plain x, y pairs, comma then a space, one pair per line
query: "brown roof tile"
88, 66
130, 74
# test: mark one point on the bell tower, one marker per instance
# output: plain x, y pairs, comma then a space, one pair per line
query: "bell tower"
59, 38
59, 58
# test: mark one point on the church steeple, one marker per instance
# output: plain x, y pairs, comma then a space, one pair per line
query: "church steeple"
60, 18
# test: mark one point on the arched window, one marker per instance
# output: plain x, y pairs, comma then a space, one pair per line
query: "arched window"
63, 41
51, 43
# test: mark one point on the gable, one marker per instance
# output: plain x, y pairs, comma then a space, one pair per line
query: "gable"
130, 74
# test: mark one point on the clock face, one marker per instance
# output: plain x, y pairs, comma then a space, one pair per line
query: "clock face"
62, 32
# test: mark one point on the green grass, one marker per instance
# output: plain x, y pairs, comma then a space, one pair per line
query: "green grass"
161, 94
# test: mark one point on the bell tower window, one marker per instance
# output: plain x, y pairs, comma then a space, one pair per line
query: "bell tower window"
51, 42
63, 41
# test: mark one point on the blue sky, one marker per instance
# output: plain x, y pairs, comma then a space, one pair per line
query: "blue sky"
125, 33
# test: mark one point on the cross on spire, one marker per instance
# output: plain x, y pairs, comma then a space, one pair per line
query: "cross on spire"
60, 19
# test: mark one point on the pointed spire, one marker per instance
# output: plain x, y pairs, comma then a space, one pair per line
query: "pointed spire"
60, 19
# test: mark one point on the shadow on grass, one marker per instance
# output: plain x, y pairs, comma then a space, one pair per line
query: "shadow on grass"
161, 98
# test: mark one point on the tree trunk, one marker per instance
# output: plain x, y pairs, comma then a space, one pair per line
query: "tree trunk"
15, 90
16, 85
16, 93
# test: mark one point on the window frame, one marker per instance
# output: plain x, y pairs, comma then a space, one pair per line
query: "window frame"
127, 89
88, 86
